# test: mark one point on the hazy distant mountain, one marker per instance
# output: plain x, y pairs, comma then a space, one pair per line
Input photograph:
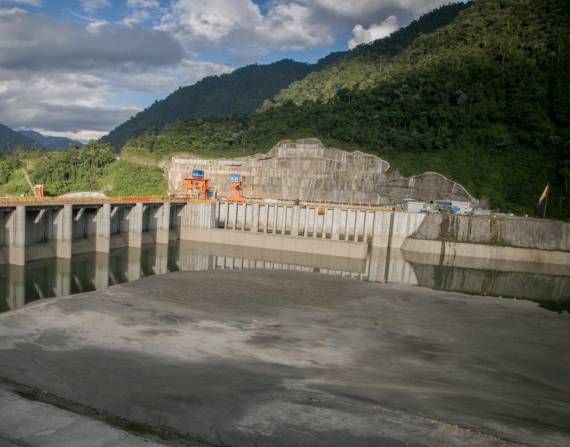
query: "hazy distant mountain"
47, 142
241, 91
10, 139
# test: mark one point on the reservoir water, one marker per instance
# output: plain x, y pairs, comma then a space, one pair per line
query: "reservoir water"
548, 286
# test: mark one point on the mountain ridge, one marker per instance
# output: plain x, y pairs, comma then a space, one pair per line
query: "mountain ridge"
241, 91
49, 142
10, 139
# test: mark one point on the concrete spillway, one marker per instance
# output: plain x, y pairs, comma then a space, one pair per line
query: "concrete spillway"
45, 230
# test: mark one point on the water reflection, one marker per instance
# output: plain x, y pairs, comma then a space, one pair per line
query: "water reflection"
95, 271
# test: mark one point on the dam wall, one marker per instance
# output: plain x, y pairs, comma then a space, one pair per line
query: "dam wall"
308, 171
450, 238
61, 230
323, 230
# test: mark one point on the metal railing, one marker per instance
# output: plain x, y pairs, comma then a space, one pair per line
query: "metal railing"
13, 201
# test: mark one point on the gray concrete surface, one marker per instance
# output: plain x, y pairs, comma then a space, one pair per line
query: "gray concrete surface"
298, 359
25, 423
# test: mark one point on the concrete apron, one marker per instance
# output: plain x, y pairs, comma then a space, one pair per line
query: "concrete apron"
285, 358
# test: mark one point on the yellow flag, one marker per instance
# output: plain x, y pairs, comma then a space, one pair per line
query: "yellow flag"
544, 195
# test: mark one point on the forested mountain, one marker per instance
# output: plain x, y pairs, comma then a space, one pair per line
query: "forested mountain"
10, 139
48, 142
241, 91
363, 67
483, 100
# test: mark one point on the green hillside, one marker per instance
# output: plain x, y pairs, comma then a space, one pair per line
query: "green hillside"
239, 92
362, 67
93, 167
483, 100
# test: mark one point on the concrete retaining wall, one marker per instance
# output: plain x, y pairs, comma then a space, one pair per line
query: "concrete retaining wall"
529, 285
452, 253
451, 238
306, 170
497, 230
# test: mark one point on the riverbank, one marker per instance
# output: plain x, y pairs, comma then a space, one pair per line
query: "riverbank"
235, 358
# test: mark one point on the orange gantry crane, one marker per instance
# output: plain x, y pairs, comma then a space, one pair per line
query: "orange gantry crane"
236, 185
196, 186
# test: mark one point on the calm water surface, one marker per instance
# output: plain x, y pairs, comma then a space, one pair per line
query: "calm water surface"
549, 287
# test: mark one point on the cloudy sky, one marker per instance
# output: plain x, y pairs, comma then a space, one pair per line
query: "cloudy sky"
78, 68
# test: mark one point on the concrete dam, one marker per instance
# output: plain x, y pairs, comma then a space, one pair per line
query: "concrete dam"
57, 229
54, 229
308, 171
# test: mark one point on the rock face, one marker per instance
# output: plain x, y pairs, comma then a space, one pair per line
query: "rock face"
306, 170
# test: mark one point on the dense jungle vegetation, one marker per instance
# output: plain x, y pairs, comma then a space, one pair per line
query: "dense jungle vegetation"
90, 168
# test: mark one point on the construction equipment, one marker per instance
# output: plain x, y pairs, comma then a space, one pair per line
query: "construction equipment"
196, 186
37, 190
236, 184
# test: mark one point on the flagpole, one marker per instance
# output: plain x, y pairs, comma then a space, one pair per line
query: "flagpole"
545, 206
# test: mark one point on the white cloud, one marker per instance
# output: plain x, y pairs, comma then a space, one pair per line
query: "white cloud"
82, 135
64, 78
365, 35
94, 5
137, 17
149, 4
59, 102
375, 9
141, 11
240, 25
214, 19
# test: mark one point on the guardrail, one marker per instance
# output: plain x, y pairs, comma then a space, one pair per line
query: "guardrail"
13, 201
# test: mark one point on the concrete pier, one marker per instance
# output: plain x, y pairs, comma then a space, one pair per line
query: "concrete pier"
162, 221
103, 235
135, 225
15, 240
63, 231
